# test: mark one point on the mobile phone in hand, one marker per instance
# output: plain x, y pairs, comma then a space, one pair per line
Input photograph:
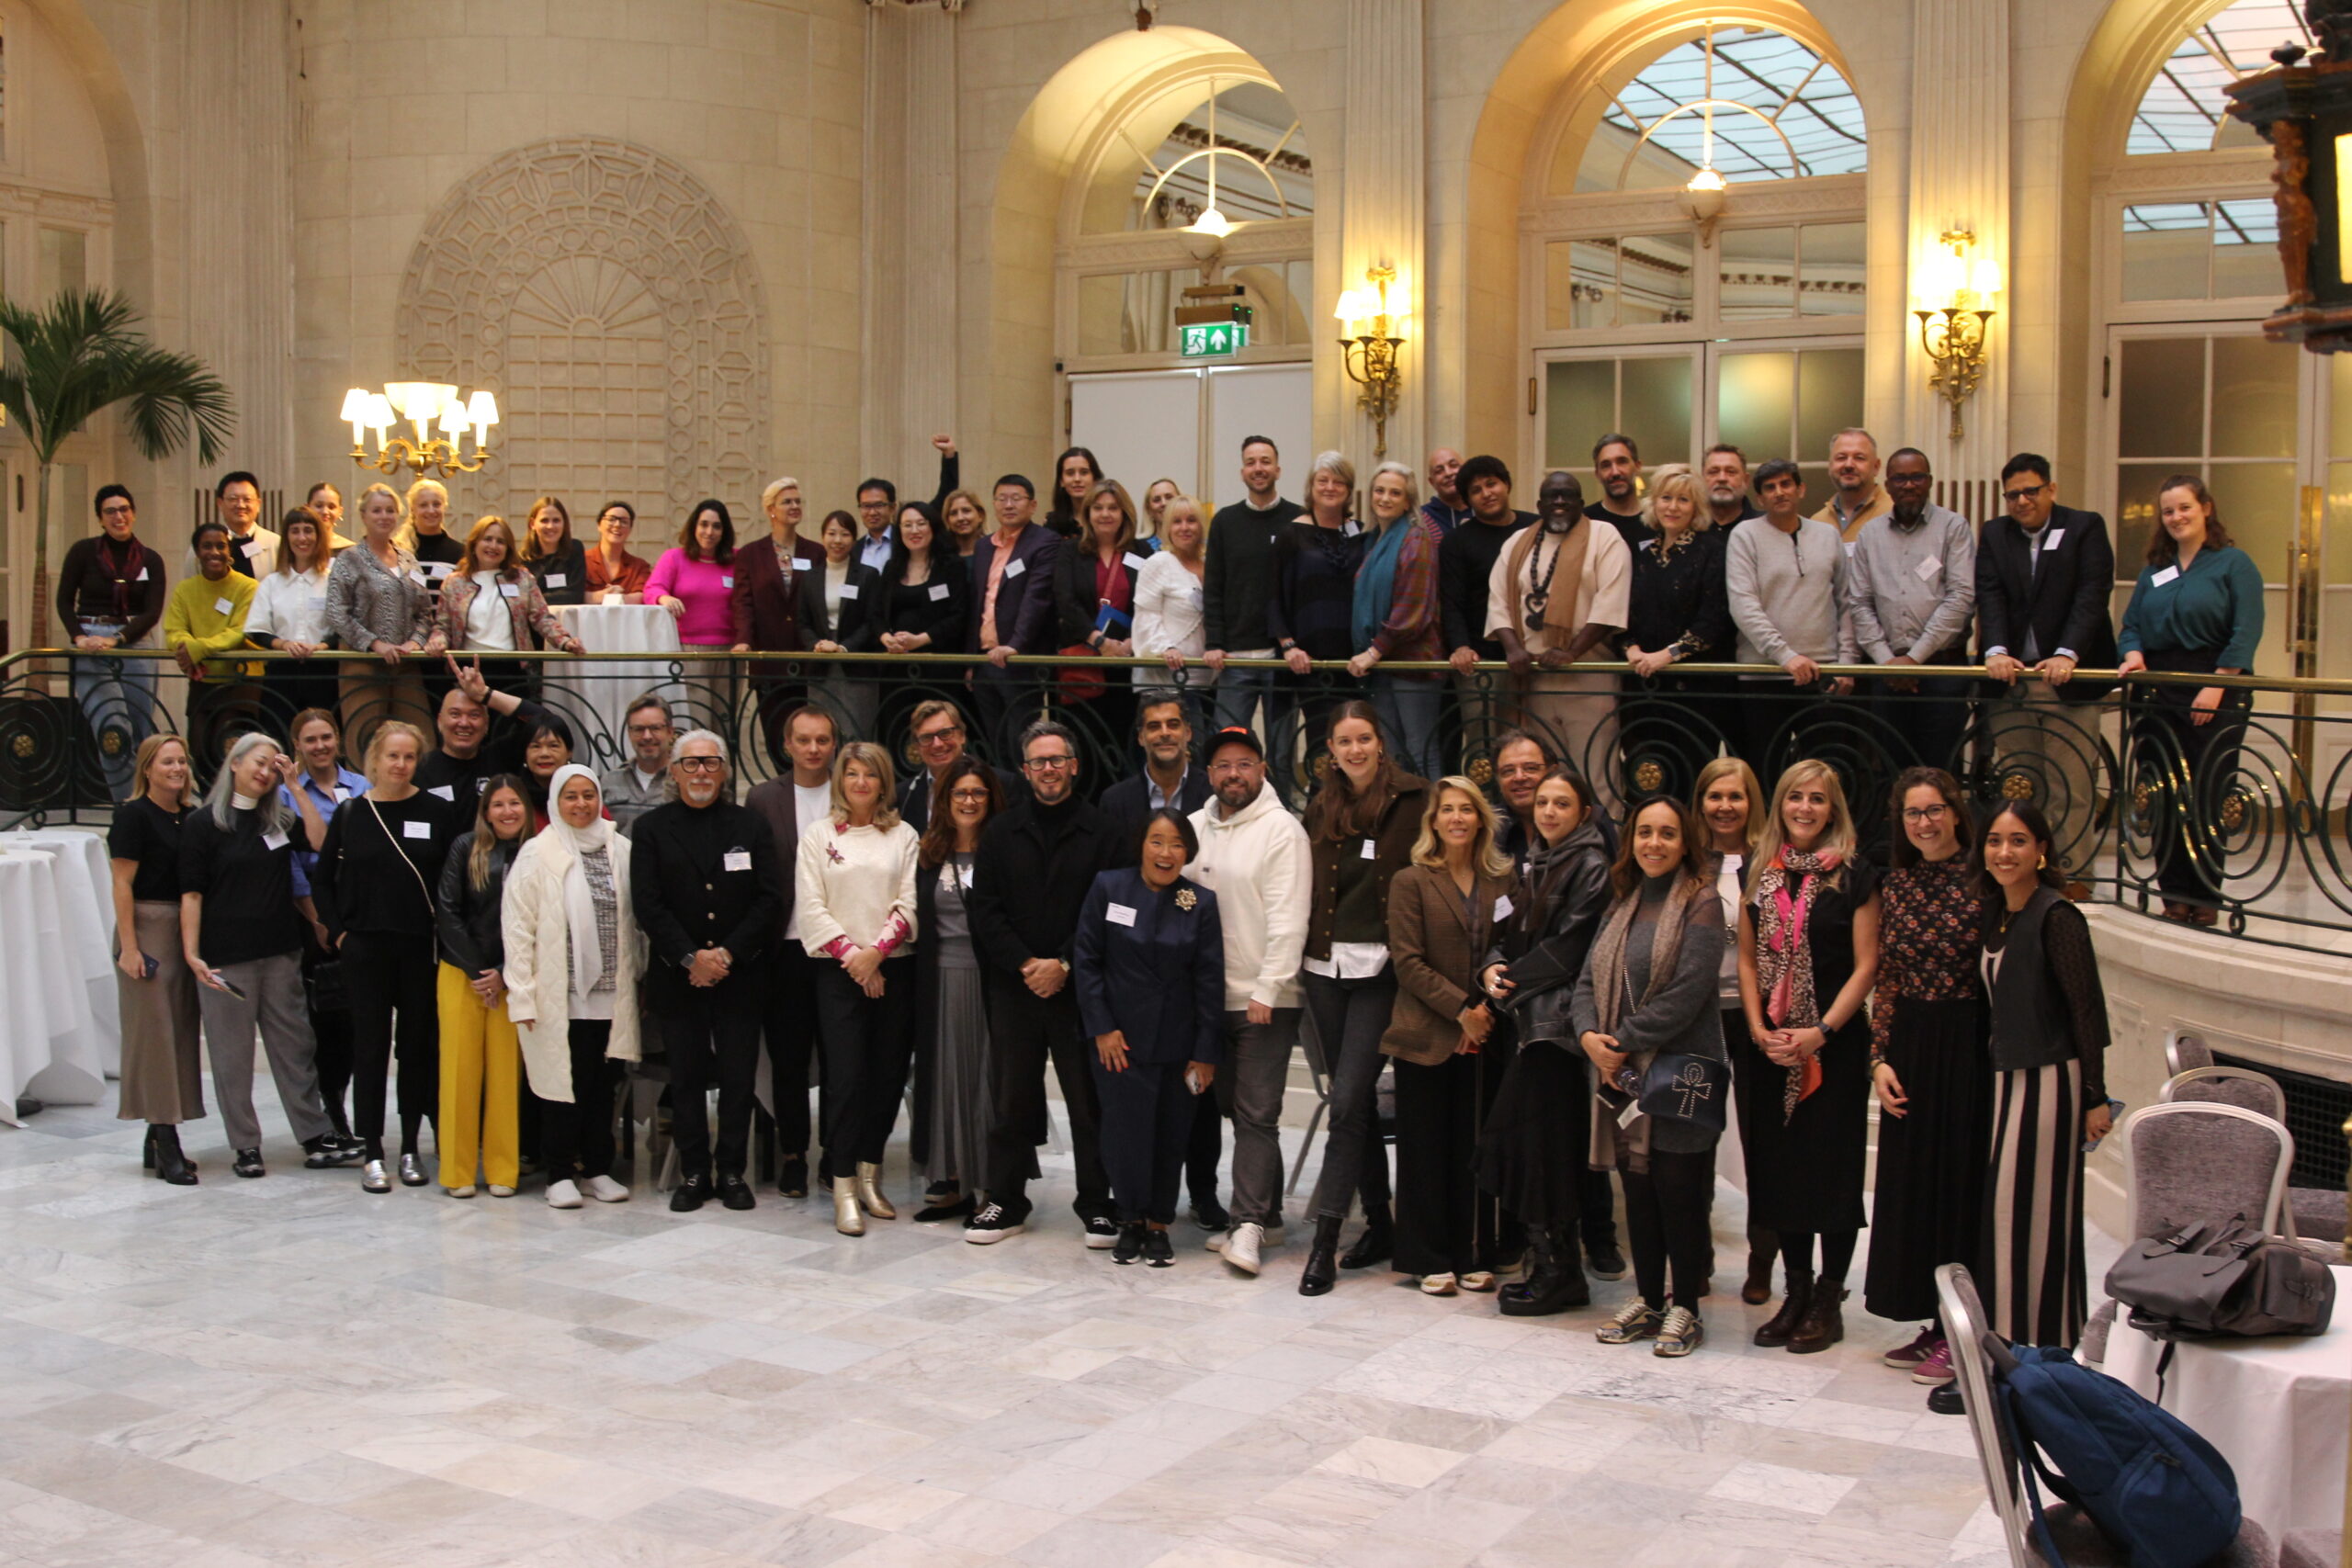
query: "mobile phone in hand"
148, 965
227, 985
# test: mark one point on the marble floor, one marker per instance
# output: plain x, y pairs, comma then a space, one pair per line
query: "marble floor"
289, 1371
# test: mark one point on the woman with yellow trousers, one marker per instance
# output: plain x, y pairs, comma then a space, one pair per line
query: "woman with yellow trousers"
482, 1061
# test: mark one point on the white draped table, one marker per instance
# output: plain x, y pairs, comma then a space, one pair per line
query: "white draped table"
594, 696
48, 1047
2278, 1409
85, 888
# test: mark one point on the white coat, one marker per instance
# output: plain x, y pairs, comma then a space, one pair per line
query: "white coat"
538, 967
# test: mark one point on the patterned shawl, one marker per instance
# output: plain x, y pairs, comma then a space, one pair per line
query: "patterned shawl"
1784, 957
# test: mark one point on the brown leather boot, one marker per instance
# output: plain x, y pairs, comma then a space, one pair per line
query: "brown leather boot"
1782, 1324
1758, 1288
1823, 1325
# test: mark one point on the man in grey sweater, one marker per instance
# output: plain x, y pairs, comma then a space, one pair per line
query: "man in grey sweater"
1910, 596
1785, 576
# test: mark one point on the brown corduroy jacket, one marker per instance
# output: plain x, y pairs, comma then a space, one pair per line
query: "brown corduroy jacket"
1435, 946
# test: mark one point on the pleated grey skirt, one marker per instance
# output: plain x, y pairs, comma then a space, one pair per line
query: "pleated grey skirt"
959, 1101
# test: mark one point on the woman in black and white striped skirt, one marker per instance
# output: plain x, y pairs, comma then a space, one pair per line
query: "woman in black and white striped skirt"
2048, 1043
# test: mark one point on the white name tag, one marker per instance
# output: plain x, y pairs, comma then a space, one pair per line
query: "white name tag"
341, 795
416, 830
436, 570
1849, 550
938, 591
1017, 568
1502, 907
726, 582
141, 577
1930, 570
417, 576
1120, 915
512, 590
2049, 540
1134, 560
446, 792
840, 594
2164, 577
249, 549
739, 860
1371, 850
273, 841
556, 579
224, 607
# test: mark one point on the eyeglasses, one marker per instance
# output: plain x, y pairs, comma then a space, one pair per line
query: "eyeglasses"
1238, 765
940, 737
974, 793
1521, 770
700, 764
2023, 492
649, 729
1047, 764
1924, 813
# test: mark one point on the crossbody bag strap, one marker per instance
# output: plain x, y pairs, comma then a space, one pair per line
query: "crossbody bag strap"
402, 851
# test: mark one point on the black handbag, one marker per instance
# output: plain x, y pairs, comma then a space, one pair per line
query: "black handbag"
323, 984
1681, 1087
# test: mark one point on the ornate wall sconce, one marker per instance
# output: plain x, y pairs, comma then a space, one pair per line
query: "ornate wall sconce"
1371, 331
1959, 294
427, 406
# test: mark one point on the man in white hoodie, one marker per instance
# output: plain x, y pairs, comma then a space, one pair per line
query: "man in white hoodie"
1254, 857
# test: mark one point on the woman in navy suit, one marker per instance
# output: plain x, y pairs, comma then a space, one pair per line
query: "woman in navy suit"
1151, 974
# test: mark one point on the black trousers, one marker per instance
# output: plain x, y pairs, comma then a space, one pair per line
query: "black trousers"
1147, 1114
1666, 1215
1205, 1150
576, 1139
869, 1043
791, 1031
392, 977
2191, 843
713, 1036
1444, 1225
1026, 1032
1349, 1016
331, 1027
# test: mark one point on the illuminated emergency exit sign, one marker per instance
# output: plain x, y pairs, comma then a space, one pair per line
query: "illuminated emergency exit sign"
1210, 340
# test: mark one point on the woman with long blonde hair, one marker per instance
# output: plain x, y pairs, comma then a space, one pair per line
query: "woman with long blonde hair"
1727, 803
162, 1064
482, 1061
377, 602
1442, 914
1808, 954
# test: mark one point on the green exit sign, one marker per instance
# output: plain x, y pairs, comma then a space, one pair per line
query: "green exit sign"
1207, 339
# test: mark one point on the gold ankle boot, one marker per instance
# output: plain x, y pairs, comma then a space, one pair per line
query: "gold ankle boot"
846, 1219
869, 1191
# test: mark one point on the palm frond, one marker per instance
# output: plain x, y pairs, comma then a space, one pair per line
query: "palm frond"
81, 354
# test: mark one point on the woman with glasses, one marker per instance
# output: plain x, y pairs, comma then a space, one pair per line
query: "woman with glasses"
1929, 1065
951, 1016
615, 576
289, 615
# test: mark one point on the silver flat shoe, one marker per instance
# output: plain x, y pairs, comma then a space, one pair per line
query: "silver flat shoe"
372, 1178
412, 1171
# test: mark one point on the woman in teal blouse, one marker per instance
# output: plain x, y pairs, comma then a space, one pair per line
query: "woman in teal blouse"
2196, 609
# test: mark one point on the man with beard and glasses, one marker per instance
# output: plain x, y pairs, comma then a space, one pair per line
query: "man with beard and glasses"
1910, 599
1859, 498
1723, 473
1036, 863
708, 895
1557, 593
1617, 464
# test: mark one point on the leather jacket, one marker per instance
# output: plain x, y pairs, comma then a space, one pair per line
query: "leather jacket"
472, 938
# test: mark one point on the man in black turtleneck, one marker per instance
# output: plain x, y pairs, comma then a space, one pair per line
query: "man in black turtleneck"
1036, 860
466, 760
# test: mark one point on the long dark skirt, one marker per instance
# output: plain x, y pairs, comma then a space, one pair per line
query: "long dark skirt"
1805, 1170
1932, 1159
1535, 1148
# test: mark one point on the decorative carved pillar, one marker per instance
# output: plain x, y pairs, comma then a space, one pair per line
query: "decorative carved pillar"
910, 331
237, 133
1382, 189
1959, 179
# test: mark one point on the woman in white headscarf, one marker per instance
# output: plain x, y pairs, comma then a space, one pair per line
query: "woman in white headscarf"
572, 956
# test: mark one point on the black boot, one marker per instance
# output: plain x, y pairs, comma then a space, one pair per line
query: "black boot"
1555, 1283
1377, 1244
1781, 1327
171, 1163
1322, 1271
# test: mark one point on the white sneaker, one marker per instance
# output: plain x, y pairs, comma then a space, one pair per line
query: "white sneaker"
465, 1192
563, 1195
604, 1190
1242, 1245
1268, 1235
498, 1192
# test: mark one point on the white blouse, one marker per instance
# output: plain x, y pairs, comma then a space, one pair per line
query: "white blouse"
488, 623
1169, 608
290, 606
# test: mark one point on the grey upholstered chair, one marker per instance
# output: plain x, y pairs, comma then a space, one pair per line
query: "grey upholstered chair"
2318, 1212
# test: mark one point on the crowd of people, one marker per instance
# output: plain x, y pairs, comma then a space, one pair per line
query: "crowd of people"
1559, 978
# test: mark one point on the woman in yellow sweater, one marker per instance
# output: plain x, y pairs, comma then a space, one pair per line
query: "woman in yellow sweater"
203, 618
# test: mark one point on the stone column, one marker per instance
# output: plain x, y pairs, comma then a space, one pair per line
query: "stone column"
910, 332
1960, 178
1383, 190
236, 139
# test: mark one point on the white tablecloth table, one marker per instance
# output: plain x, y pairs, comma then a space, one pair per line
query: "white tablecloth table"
594, 697
48, 1048
2279, 1410
85, 888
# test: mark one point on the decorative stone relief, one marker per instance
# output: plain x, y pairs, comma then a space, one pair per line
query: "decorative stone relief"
608, 298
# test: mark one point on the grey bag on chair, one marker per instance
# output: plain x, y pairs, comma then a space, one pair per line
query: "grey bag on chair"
2222, 1278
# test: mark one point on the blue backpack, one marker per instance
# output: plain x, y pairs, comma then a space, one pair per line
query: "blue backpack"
2155, 1488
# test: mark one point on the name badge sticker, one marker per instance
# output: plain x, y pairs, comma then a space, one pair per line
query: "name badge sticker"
1120, 915
1930, 570
1134, 562
2050, 541
224, 607
1502, 907
512, 590
273, 841
446, 792
739, 860
726, 582
2164, 577
249, 549
1371, 850
556, 580
1015, 568
416, 830
1850, 550
141, 577
938, 591
341, 795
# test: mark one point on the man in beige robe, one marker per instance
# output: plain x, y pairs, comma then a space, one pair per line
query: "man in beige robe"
1557, 593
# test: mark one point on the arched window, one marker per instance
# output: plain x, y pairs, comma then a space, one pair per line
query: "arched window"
1681, 315
2183, 109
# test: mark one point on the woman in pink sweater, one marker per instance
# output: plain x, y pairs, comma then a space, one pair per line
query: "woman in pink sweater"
694, 581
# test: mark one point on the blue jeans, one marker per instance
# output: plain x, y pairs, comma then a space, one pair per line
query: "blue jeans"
1408, 708
1238, 692
117, 701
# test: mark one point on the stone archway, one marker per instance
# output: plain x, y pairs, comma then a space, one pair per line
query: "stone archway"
609, 299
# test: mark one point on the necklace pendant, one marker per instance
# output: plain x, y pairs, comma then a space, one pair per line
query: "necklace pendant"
1537, 602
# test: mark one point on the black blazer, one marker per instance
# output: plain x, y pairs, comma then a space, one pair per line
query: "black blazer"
1128, 804
2062, 598
939, 607
1156, 975
685, 896
860, 628
914, 795
1075, 600
1025, 617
